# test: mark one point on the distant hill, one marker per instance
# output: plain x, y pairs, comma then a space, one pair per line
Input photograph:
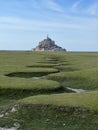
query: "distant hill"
48, 45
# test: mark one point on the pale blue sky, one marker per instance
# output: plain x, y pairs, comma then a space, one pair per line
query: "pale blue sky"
73, 24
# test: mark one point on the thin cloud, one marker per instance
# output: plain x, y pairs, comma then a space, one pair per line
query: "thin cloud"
52, 5
14, 23
76, 4
93, 9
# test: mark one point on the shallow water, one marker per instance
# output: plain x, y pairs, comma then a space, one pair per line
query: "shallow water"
76, 90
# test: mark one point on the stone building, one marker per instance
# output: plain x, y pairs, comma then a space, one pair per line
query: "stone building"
48, 45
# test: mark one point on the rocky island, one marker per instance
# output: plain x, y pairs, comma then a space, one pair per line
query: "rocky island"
48, 45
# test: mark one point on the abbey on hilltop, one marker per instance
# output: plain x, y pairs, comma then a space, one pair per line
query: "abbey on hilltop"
48, 45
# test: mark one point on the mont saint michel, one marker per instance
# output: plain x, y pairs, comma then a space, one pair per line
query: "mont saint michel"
48, 45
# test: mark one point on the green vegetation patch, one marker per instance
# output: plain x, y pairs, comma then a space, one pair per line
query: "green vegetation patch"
47, 119
17, 88
86, 100
34, 72
83, 79
28, 84
42, 65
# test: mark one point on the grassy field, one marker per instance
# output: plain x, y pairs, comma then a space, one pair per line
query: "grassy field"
86, 100
36, 85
